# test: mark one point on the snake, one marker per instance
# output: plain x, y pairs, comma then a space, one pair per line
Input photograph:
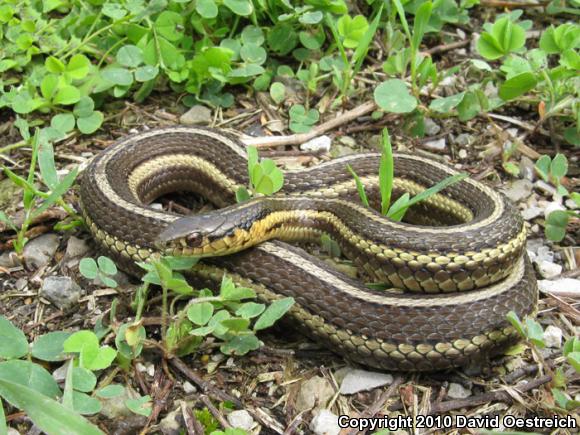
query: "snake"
452, 270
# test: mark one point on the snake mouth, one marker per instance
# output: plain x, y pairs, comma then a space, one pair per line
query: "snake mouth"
193, 232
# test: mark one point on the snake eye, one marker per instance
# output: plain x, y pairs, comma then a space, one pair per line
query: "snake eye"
194, 240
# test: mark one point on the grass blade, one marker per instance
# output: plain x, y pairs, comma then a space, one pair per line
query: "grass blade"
363, 45
46, 165
386, 172
421, 20
28, 195
402, 17
57, 193
396, 209
3, 426
332, 25
359, 186
49, 415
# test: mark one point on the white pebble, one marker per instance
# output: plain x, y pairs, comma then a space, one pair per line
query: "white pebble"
553, 337
241, 419
458, 391
325, 423
320, 143
562, 286
548, 269
553, 206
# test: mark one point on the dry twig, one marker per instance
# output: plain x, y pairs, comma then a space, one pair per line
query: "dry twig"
296, 139
206, 386
215, 412
376, 407
493, 396
193, 426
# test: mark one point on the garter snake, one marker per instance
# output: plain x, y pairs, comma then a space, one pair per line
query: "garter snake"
460, 264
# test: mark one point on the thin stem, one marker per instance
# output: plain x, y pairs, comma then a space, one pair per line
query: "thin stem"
141, 302
121, 41
164, 316
13, 146
94, 35
550, 88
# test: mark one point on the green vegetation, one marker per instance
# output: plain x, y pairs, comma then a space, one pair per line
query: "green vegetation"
533, 333
397, 210
38, 201
265, 177
103, 269
223, 316
231, 317
553, 171
66, 58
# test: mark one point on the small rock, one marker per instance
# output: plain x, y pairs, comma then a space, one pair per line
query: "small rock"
59, 374
9, 259
241, 419
462, 154
39, 252
463, 139
531, 212
448, 81
436, 145
347, 141
320, 143
339, 151
140, 367
170, 424
276, 126
114, 407
548, 269
563, 286
76, 247
571, 204
376, 142
431, 127
545, 352
21, 284
12, 431
490, 90
316, 391
518, 190
553, 206
543, 253
75, 250
62, 291
545, 188
533, 245
553, 337
189, 388
325, 423
473, 43
527, 170
361, 380
512, 132
198, 114
458, 391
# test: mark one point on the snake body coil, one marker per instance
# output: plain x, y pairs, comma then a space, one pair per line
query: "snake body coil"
461, 263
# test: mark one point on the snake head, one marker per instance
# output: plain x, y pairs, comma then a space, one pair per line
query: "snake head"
189, 235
